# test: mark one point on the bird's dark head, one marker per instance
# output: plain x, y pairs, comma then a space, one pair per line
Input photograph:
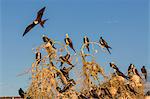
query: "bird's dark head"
111, 64
45, 38
101, 38
143, 66
64, 68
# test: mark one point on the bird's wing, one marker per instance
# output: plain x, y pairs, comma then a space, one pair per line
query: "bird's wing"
137, 73
40, 14
84, 39
71, 44
29, 28
87, 39
105, 43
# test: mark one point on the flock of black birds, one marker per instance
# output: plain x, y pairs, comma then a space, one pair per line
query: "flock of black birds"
65, 59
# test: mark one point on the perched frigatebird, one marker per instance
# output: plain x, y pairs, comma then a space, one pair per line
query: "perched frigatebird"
144, 71
21, 93
130, 70
38, 20
118, 72
65, 59
86, 41
48, 40
68, 41
104, 44
135, 71
38, 57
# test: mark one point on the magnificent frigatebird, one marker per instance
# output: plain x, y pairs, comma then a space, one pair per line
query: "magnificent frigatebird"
135, 71
38, 57
68, 41
38, 20
130, 70
21, 93
104, 44
65, 59
118, 72
86, 41
48, 40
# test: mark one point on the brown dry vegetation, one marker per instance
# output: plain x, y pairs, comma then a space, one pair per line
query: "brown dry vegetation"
49, 82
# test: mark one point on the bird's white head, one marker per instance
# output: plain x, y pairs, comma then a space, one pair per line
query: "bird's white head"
132, 66
67, 36
35, 22
43, 35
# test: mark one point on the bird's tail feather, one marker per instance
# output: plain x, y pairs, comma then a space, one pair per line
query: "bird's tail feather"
73, 49
88, 48
108, 50
43, 22
109, 47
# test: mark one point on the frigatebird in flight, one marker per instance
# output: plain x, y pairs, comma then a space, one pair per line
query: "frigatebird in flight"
38, 20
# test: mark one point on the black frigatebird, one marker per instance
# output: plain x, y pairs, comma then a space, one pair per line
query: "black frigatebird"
48, 40
144, 71
65, 59
118, 72
104, 44
38, 57
68, 41
38, 20
21, 93
86, 41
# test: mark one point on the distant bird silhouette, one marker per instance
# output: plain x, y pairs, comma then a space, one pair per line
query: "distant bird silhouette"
21, 93
144, 71
118, 72
68, 41
86, 41
48, 40
104, 44
38, 20
65, 59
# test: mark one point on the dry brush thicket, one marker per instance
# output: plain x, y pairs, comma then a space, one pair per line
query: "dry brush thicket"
50, 81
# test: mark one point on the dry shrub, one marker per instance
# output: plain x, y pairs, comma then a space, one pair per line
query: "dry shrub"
50, 83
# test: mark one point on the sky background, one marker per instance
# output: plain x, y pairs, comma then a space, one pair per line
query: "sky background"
124, 24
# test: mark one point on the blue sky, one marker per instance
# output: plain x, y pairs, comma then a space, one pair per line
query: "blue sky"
123, 23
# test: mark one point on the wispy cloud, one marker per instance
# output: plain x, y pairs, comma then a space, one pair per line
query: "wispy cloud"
112, 20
